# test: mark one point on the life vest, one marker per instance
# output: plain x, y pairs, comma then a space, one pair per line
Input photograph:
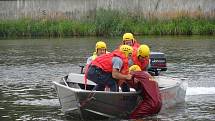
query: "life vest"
94, 56
105, 61
143, 65
135, 45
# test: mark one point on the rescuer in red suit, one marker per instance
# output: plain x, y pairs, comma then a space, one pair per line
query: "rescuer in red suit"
151, 103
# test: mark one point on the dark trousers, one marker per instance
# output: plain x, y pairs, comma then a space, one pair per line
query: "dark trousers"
102, 79
125, 87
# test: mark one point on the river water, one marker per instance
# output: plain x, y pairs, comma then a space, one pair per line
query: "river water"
28, 67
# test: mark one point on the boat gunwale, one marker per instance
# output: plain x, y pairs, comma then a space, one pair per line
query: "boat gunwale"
109, 92
89, 91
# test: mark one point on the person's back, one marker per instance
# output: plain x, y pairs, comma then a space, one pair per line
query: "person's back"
152, 102
108, 68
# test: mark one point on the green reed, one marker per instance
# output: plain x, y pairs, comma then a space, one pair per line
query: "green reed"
107, 23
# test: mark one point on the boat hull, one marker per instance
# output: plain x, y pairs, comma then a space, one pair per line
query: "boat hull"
112, 104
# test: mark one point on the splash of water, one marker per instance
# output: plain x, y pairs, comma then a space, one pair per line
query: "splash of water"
200, 90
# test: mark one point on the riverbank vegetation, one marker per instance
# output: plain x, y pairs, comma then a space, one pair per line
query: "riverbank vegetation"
107, 23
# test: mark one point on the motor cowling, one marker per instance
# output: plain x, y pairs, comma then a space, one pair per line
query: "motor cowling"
157, 63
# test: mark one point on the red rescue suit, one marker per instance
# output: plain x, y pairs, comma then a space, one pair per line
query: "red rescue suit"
151, 103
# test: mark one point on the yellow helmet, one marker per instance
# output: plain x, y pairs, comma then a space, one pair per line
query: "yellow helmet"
126, 49
134, 68
143, 51
128, 36
100, 45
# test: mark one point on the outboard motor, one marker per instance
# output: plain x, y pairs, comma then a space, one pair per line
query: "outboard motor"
157, 63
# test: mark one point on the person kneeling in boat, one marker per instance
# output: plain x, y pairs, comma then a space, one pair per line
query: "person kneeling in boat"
140, 58
151, 99
107, 69
128, 39
100, 49
140, 55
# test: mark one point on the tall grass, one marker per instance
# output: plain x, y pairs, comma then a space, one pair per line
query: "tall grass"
107, 23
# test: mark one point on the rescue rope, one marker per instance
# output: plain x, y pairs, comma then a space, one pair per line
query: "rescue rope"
89, 98
85, 76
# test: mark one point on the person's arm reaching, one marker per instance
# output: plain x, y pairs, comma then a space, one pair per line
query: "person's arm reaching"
117, 65
117, 75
